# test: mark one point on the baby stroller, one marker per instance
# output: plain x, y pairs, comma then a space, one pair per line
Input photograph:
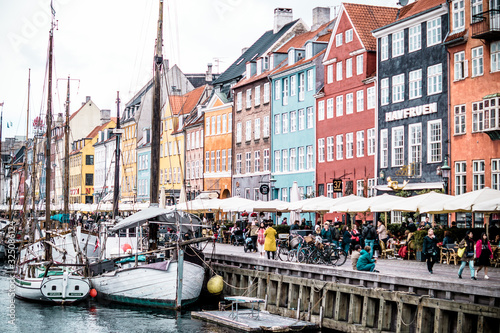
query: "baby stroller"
238, 238
249, 245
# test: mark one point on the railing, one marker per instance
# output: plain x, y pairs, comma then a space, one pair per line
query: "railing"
486, 25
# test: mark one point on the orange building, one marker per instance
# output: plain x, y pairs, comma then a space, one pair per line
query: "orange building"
474, 53
218, 143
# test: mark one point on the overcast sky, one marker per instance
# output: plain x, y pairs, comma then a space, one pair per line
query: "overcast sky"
108, 45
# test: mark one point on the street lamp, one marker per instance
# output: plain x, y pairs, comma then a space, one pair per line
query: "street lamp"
381, 176
445, 172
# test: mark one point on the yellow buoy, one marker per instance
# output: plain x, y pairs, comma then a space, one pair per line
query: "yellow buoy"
215, 285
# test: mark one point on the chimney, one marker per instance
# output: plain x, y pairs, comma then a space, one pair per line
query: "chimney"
208, 75
105, 116
282, 16
321, 15
87, 99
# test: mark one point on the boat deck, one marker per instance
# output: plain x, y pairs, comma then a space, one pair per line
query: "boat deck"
247, 322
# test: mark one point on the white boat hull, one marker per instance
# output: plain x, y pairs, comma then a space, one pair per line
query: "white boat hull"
149, 286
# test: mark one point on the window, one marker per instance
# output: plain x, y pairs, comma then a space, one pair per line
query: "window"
349, 145
310, 80
277, 161
293, 159
249, 98
414, 38
384, 148
257, 161
89, 159
310, 117
384, 48
266, 92
370, 98
384, 91
284, 155
434, 137
495, 174
477, 61
89, 179
229, 125
398, 47
248, 130
277, 124
477, 117
476, 8
460, 177
360, 188
459, 117
310, 158
218, 124
458, 12
265, 133
239, 103
207, 161
302, 158
398, 88
338, 39
248, 162
238, 132
340, 105
495, 56
213, 125
284, 194
461, 66
349, 107
329, 190
491, 113
321, 150
293, 86
348, 36
329, 74
257, 95
266, 160
238, 164
415, 148
217, 163
257, 129
293, 121
284, 117
285, 91
329, 108
360, 100
277, 89
348, 68
329, 148
212, 161
359, 64
229, 159
340, 146
397, 146
434, 31
360, 143
309, 50
434, 79
371, 141
301, 86
223, 161
321, 110
415, 84
477, 175
224, 123
339, 71
302, 119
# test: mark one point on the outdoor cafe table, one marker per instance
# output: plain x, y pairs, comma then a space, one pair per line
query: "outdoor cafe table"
235, 300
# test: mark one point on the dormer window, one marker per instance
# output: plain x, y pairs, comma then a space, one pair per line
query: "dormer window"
291, 57
265, 63
249, 69
309, 51
259, 66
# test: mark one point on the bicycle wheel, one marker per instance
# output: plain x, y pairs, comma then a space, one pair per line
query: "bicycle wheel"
282, 253
342, 258
292, 255
302, 255
333, 257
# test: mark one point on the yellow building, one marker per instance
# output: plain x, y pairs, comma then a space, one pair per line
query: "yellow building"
128, 155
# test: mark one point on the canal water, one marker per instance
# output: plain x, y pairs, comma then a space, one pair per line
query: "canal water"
20, 316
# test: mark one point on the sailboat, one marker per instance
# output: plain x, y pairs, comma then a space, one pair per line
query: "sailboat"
46, 271
169, 277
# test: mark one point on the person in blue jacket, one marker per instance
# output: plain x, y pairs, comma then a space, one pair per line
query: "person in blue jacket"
365, 261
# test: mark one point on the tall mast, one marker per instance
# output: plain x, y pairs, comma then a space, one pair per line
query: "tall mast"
48, 133
156, 116
66, 156
116, 185
25, 201
33, 190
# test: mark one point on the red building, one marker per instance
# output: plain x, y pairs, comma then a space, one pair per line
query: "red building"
345, 124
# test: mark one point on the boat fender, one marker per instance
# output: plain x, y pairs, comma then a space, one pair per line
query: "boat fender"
93, 293
215, 285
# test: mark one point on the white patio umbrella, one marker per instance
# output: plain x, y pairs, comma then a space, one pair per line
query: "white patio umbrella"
423, 203
294, 197
299, 205
339, 202
183, 195
487, 206
465, 202
236, 204
200, 205
365, 204
271, 206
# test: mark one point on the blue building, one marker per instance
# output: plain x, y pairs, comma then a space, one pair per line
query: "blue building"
143, 171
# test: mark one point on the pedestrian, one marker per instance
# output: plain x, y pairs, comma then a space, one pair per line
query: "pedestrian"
326, 234
295, 225
261, 238
365, 261
430, 249
484, 254
369, 235
270, 242
382, 232
285, 221
355, 256
346, 239
254, 229
468, 254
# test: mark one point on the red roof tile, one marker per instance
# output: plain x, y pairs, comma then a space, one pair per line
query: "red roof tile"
187, 102
96, 130
325, 37
299, 41
456, 36
366, 18
418, 7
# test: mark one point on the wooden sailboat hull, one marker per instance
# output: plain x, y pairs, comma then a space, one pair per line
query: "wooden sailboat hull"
64, 289
150, 285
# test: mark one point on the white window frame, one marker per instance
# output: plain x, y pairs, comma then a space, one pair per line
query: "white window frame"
248, 130
348, 68
398, 88
256, 161
477, 117
476, 7
477, 61
359, 64
321, 150
284, 194
219, 123
302, 119
321, 110
458, 15
340, 105
248, 162
434, 31
348, 36
349, 103
384, 148
398, 146
495, 56
384, 48
284, 123
415, 84
256, 129
338, 39
459, 119
434, 141
293, 159
223, 160
310, 117
398, 44
266, 130
461, 66
330, 149
339, 71
384, 91
371, 141
414, 38
257, 96
434, 79
415, 149
284, 156
339, 146
217, 159
238, 132
293, 85
349, 145
302, 87
329, 74
277, 89
239, 103
285, 91
266, 92
478, 174
460, 177
360, 100
248, 97
360, 187
266, 160
310, 157
310, 80
302, 158
224, 123
329, 108
277, 123
293, 121
360, 143
495, 174
277, 161
371, 98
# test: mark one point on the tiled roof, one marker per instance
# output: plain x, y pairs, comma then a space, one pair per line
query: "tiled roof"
254, 51
300, 62
456, 36
99, 128
366, 18
325, 37
187, 102
418, 7
299, 41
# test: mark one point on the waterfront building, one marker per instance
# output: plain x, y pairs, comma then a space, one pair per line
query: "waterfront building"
412, 114
144, 168
104, 166
345, 125
474, 53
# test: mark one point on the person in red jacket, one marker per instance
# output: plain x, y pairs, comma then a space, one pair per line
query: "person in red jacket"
484, 254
